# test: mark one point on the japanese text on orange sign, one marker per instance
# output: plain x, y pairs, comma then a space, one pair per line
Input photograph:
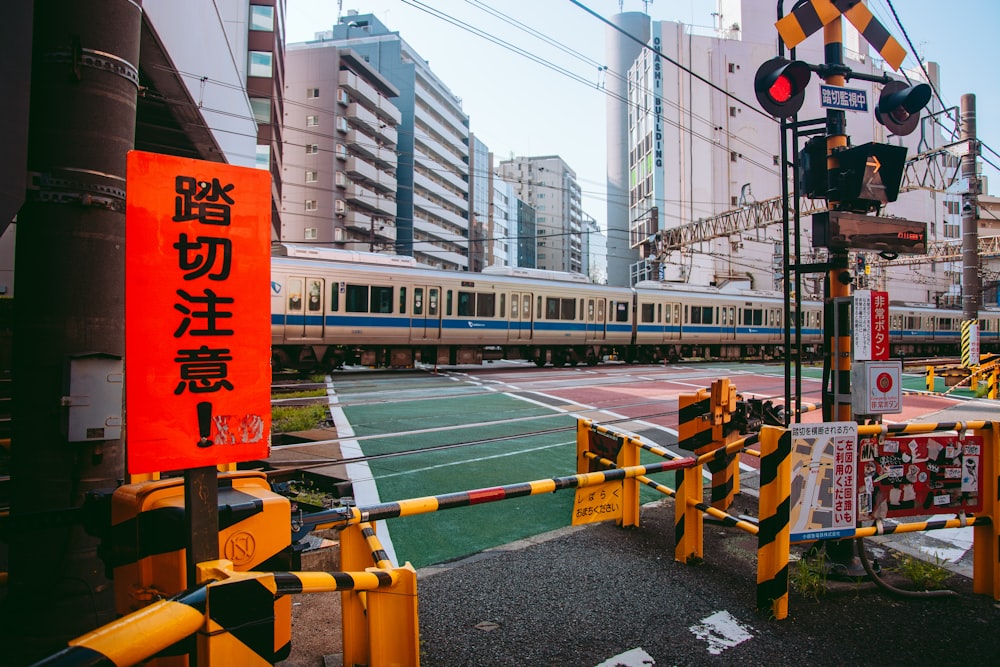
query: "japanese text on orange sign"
197, 268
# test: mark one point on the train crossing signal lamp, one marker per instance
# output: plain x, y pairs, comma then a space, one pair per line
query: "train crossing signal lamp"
899, 106
780, 86
867, 177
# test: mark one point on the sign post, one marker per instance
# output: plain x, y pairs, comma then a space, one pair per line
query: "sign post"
197, 339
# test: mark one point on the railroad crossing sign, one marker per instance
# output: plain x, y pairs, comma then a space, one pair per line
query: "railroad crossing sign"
813, 15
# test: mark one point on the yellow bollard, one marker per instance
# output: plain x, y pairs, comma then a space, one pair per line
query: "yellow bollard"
773, 540
986, 538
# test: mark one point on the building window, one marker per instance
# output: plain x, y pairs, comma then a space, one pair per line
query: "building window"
261, 109
262, 18
260, 63
312, 93
312, 121
310, 234
733, 156
732, 112
263, 157
312, 149
311, 205
312, 176
777, 160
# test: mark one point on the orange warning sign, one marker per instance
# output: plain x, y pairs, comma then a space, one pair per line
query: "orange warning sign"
197, 338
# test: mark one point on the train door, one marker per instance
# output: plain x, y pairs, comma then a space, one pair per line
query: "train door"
427, 312
520, 316
596, 309
672, 321
727, 322
305, 307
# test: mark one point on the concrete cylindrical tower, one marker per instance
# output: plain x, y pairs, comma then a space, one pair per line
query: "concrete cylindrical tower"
620, 53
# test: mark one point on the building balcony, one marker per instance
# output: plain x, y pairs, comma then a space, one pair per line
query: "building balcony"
424, 182
437, 210
369, 200
358, 114
358, 168
370, 226
438, 154
386, 182
457, 142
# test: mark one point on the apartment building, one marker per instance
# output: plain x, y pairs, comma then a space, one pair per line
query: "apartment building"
341, 139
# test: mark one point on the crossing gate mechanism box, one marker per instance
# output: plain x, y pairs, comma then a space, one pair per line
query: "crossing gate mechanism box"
149, 535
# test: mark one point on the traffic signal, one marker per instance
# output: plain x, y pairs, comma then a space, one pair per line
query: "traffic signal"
867, 176
899, 106
780, 86
813, 180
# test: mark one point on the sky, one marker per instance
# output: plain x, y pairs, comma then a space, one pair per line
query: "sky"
552, 102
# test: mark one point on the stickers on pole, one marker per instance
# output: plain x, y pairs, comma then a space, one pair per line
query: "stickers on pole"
197, 269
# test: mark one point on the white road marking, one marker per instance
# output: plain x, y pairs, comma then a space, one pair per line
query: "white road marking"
476, 460
721, 631
365, 490
634, 658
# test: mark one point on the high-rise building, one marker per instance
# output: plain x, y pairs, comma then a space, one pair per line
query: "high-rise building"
621, 51
696, 153
265, 87
432, 213
549, 185
527, 233
480, 204
340, 146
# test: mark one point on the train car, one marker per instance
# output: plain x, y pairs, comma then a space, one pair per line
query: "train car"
331, 307
677, 321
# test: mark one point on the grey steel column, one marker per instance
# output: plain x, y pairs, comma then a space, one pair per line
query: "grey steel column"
971, 297
70, 260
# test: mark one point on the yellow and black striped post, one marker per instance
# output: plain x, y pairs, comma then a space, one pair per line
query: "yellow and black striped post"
986, 538
688, 520
773, 539
994, 381
930, 378
725, 471
247, 622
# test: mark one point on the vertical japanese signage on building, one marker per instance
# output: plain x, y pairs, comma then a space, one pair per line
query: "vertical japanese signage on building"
197, 343
871, 325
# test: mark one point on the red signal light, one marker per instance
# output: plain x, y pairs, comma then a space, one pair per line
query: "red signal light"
781, 90
780, 86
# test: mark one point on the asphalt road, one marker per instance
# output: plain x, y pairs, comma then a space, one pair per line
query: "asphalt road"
601, 595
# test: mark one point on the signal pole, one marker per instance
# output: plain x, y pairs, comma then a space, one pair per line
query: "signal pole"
970, 220
838, 359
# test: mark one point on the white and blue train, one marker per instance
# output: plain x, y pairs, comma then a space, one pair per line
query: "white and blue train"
334, 307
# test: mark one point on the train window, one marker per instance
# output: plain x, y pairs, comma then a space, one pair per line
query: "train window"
357, 298
402, 300
295, 294
503, 305
621, 311
753, 317
335, 297
486, 305
432, 302
466, 304
701, 314
538, 309
315, 295
552, 308
590, 310
515, 306
381, 299
659, 312
568, 309
447, 303
526, 304
600, 311
912, 323
418, 300
646, 312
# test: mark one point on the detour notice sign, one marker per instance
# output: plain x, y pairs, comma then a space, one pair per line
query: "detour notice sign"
197, 338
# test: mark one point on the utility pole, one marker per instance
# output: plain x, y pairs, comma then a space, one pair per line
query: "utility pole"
70, 260
971, 297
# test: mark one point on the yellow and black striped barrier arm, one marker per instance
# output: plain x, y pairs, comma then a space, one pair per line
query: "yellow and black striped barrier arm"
136, 637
